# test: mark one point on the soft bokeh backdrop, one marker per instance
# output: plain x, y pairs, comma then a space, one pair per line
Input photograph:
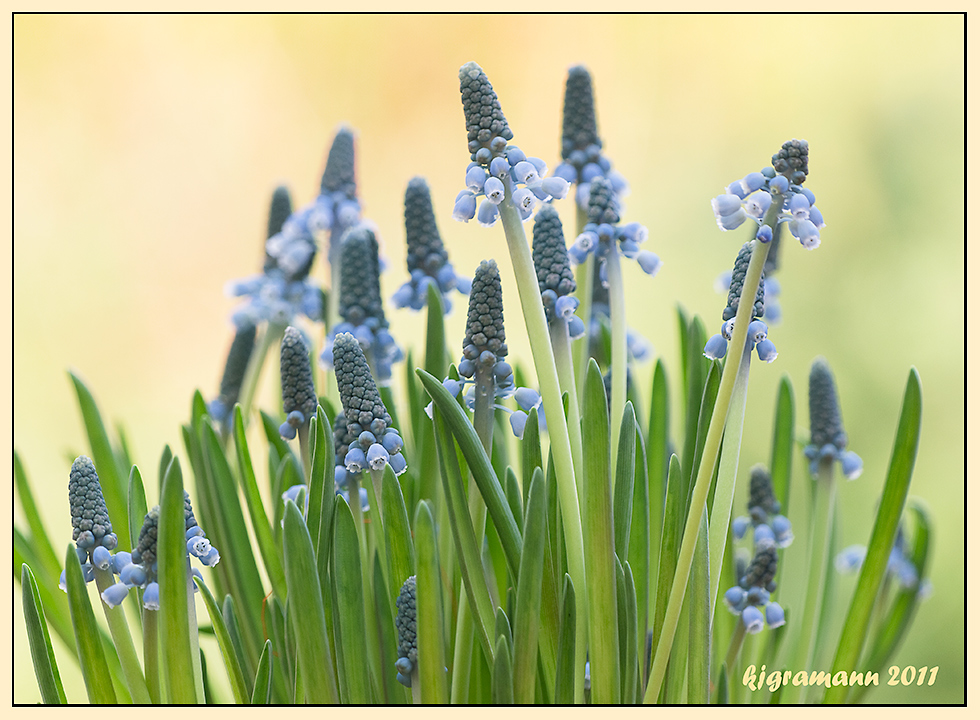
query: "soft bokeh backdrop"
147, 149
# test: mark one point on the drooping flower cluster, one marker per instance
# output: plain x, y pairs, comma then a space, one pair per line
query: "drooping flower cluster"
828, 441
428, 261
763, 514
374, 443
603, 234
337, 209
139, 568
342, 441
750, 599
498, 169
360, 306
555, 279
91, 527
752, 196
298, 392
758, 332
900, 565
234, 374
283, 290
405, 619
581, 147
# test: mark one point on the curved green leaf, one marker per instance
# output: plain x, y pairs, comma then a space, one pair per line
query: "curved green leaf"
502, 683
528, 611
351, 631
238, 687
429, 618
565, 677
262, 688
45, 664
88, 643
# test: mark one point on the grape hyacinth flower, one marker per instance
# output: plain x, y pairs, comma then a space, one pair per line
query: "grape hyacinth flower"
772, 312
141, 570
337, 209
283, 290
581, 148
900, 566
717, 345
763, 514
234, 374
360, 307
750, 599
344, 478
428, 261
604, 235
555, 279
298, 393
484, 343
405, 620
91, 527
751, 197
499, 172
828, 441
376, 443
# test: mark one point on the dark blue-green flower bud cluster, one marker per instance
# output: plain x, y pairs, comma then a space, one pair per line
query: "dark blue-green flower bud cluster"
359, 302
555, 279
342, 441
234, 374
828, 441
428, 261
750, 599
603, 234
298, 392
485, 341
751, 197
90, 523
337, 209
373, 442
139, 568
498, 170
581, 148
405, 619
764, 514
283, 290
758, 331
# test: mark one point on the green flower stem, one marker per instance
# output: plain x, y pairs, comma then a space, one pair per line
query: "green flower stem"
123, 641
483, 413
584, 278
151, 654
195, 640
271, 337
304, 450
544, 363
617, 319
712, 442
734, 648
416, 686
721, 508
562, 348
821, 523
354, 495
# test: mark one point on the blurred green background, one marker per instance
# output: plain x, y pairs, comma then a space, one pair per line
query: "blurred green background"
147, 149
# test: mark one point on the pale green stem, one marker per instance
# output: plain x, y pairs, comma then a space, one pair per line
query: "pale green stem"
151, 655
618, 369
253, 372
123, 642
721, 508
304, 450
562, 347
733, 649
584, 279
821, 523
712, 442
332, 318
354, 500
483, 410
416, 686
195, 641
547, 372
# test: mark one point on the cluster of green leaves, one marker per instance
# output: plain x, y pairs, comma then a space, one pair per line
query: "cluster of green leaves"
301, 605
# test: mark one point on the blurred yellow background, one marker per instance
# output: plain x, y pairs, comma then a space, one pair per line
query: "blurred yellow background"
147, 148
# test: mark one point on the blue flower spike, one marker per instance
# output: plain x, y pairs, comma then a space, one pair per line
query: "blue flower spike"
91, 527
405, 619
828, 441
498, 169
299, 399
750, 599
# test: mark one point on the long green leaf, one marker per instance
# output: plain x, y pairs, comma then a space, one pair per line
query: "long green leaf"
625, 473
630, 662
306, 607
479, 464
262, 688
256, 509
429, 618
882, 535
467, 551
235, 676
45, 663
599, 542
398, 533
230, 618
348, 591
699, 608
530, 451
658, 454
43, 549
88, 643
674, 515
435, 335
393, 692
638, 554
175, 584
321, 479
783, 437
503, 674
112, 474
528, 611
136, 504
565, 677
